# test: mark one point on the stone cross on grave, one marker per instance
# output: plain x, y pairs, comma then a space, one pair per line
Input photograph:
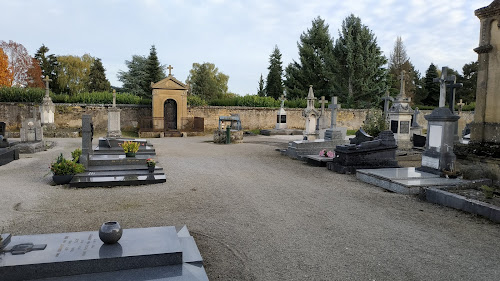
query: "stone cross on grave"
170, 70
323, 102
453, 87
387, 98
460, 105
47, 80
282, 99
114, 98
402, 88
442, 85
334, 106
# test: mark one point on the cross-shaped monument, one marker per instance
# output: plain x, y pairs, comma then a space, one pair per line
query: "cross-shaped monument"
402, 88
322, 101
334, 106
387, 98
454, 86
442, 85
47, 80
460, 105
282, 99
170, 70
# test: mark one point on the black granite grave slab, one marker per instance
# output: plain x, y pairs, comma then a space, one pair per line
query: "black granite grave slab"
116, 142
78, 253
114, 160
8, 155
318, 161
129, 168
94, 181
138, 172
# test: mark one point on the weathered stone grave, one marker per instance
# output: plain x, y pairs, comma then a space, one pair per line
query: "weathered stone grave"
47, 108
229, 125
114, 127
281, 127
335, 132
156, 253
400, 114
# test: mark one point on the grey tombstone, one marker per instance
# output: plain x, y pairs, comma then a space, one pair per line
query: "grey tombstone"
439, 155
442, 85
47, 109
114, 127
335, 132
87, 135
31, 130
323, 121
281, 116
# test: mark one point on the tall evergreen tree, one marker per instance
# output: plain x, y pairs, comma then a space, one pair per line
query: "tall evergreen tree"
431, 93
261, 91
274, 85
399, 61
48, 64
468, 92
153, 68
362, 78
97, 78
136, 80
316, 63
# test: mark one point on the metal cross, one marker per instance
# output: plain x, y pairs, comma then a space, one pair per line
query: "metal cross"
442, 85
453, 87
334, 106
169, 70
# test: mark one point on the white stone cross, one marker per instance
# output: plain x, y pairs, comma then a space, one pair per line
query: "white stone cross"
402, 89
47, 80
282, 99
322, 101
334, 106
114, 98
460, 105
169, 70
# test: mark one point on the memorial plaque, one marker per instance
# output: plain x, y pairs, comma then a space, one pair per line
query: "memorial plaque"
435, 136
405, 127
394, 126
430, 162
283, 118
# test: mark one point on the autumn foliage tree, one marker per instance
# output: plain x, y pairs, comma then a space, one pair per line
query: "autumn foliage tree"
34, 79
6, 75
19, 61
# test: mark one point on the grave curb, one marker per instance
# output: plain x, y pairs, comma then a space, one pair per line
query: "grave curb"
448, 199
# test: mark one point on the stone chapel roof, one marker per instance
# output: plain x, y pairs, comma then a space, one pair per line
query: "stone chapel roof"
170, 83
491, 9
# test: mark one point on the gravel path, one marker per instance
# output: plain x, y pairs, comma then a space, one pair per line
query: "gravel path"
257, 215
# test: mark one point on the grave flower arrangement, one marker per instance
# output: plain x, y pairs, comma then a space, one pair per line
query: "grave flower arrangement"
130, 146
63, 166
76, 155
150, 162
325, 153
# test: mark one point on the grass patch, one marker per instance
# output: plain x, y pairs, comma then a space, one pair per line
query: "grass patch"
351, 132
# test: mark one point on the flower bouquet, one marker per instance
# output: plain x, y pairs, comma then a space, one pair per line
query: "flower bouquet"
130, 148
151, 163
329, 153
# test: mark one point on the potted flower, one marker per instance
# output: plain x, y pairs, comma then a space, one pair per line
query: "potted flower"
325, 153
151, 163
76, 155
64, 169
130, 148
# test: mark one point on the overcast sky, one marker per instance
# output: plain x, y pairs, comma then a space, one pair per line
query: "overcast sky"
238, 36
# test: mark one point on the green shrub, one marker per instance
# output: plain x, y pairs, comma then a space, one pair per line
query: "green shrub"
76, 154
15, 94
64, 166
488, 191
469, 107
374, 123
196, 101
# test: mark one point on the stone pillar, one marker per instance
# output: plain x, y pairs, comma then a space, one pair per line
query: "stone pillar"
114, 125
439, 155
47, 109
485, 130
87, 134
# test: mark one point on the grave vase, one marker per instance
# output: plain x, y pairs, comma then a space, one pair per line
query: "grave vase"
62, 179
110, 232
151, 169
130, 154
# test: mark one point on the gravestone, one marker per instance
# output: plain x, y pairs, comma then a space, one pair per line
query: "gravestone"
387, 99
87, 136
453, 86
400, 114
311, 114
281, 116
335, 132
360, 136
114, 128
442, 85
3, 140
47, 109
31, 130
439, 155
323, 120
372, 153
155, 253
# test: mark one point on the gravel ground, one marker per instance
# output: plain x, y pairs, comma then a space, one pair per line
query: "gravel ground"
257, 215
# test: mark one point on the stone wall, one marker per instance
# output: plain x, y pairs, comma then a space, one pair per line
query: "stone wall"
69, 116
